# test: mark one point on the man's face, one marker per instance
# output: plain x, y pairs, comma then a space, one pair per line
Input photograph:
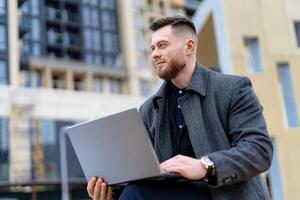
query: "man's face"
167, 52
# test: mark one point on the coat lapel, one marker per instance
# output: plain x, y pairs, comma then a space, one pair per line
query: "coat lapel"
164, 140
191, 107
192, 112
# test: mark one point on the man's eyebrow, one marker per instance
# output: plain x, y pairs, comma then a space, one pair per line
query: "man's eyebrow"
160, 41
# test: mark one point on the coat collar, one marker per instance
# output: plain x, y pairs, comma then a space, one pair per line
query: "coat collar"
197, 84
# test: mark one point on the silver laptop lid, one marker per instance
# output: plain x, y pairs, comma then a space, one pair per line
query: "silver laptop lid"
116, 147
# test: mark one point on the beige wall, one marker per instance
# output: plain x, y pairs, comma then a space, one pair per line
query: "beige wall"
272, 22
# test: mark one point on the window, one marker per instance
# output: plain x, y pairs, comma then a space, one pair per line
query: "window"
2, 7
97, 40
25, 7
36, 49
297, 29
50, 139
4, 151
3, 37
253, 54
108, 21
35, 29
58, 81
115, 86
145, 88
288, 95
79, 83
35, 7
110, 42
27, 78
3, 72
98, 84
108, 4
276, 186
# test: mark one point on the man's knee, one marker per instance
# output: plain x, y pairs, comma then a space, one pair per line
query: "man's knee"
131, 192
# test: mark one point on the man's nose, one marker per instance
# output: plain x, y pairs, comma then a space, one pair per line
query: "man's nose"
155, 54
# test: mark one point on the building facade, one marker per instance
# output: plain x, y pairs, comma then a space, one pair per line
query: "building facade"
260, 40
66, 61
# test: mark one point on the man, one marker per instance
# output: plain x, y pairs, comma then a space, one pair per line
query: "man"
204, 125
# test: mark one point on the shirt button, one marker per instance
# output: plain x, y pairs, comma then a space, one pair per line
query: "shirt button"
180, 91
178, 106
180, 126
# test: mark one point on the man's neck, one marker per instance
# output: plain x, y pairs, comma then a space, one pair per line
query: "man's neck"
184, 76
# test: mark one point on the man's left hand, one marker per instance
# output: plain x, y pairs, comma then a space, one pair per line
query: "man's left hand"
187, 167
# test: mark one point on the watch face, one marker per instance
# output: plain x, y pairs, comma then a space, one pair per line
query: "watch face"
208, 161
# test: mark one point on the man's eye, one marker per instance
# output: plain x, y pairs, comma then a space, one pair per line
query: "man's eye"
162, 45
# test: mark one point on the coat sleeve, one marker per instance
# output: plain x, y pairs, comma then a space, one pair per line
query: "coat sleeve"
251, 148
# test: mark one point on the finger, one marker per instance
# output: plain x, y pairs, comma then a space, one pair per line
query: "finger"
98, 188
109, 194
90, 186
178, 169
103, 191
173, 159
171, 162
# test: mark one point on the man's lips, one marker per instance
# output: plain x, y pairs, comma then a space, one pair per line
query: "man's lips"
159, 62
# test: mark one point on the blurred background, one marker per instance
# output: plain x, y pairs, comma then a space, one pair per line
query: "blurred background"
67, 61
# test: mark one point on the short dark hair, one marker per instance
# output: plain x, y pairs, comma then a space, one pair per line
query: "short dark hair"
174, 21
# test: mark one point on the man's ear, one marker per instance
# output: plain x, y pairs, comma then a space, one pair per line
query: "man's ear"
189, 46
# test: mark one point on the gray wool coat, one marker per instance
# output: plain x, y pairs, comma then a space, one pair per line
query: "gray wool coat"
225, 122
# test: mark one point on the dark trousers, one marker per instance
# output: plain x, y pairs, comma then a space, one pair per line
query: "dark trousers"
165, 190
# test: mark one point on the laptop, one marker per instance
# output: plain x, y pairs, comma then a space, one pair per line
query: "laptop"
117, 148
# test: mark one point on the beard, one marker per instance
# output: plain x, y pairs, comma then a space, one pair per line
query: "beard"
171, 70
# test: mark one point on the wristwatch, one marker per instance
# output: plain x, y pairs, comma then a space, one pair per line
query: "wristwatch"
209, 166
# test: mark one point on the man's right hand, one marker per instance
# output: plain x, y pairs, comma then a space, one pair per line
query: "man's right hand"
99, 190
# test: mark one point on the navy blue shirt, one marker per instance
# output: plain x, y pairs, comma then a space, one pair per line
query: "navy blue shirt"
181, 143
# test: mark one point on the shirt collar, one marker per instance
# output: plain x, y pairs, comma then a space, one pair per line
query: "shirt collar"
197, 84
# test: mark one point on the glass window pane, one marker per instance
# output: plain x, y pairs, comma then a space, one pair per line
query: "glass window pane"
108, 21
36, 49
288, 95
107, 4
254, 54
98, 85
276, 183
89, 58
26, 47
86, 16
50, 144
109, 60
25, 7
3, 37
105, 20
95, 18
115, 86
145, 88
4, 150
35, 29
37, 79
97, 41
27, 78
3, 72
48, 130
110, 42
35, 9
88, 43
2, 7
98, 58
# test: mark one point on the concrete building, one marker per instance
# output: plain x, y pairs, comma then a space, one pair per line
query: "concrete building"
65, 61
62, 62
